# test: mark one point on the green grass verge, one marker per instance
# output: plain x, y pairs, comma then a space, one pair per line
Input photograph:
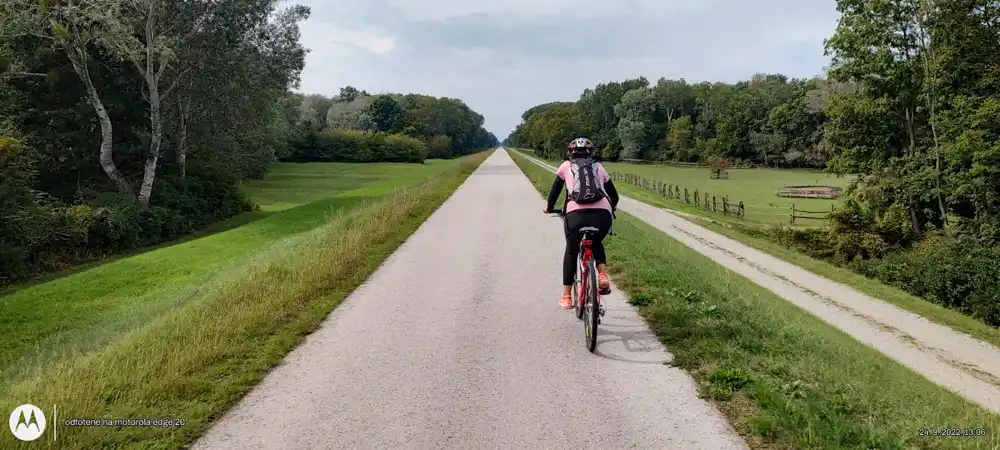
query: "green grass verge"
194, 353
784, 378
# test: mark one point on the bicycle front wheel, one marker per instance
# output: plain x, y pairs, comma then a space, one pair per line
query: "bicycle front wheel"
591, 312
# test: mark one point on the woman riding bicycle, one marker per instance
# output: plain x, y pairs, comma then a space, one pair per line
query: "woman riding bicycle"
590, 200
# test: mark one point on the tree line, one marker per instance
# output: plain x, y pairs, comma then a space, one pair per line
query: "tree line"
124, 123
910, 105
767, 120
361, 127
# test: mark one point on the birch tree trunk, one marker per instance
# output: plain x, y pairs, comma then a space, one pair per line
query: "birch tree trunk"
152, 77
185, 108
78, 57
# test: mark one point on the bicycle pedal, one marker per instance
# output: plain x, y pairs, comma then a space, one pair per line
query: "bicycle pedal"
604, 291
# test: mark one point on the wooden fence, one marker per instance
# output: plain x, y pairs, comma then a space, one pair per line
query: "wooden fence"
685, 164
810, 215
702, 200
708, 202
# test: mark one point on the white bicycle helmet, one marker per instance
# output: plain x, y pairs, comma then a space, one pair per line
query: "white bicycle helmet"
581, 146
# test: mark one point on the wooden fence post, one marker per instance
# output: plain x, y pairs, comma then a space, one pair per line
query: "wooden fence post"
697, 202
715, 206
792, 220
742, 213
687, 198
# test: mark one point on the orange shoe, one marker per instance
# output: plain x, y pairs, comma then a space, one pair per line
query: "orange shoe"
566, 302
603, 284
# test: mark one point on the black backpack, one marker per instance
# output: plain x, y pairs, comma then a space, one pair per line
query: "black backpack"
586, 188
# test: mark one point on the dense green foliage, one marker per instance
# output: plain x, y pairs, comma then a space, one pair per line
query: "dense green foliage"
768, 120
910, 104
124, 123
358, 126
357, 146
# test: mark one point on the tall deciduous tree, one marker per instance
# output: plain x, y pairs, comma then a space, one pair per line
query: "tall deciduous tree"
383, 114
73, 27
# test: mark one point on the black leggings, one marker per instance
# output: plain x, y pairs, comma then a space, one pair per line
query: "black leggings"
598, 218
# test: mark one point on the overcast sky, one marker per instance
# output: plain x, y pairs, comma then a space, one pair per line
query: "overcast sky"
504, 56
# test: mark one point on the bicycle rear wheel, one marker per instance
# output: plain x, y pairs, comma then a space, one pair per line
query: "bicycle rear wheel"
591, 312
577, 292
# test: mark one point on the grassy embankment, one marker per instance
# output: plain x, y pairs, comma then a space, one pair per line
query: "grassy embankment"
783, 377
731, 228
185, 331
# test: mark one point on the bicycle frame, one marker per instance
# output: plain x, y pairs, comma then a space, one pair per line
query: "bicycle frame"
586, 255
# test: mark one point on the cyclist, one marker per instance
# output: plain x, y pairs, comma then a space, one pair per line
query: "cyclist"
591, 198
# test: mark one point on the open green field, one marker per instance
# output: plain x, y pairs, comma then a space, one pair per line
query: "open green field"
784, 378
754, 187
182, 331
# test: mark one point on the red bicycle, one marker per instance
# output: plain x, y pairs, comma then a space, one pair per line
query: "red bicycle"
586, 296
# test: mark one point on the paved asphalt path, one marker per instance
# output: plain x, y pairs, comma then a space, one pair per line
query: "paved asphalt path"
457, 342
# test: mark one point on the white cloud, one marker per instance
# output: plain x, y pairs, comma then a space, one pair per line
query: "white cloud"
439, 10
447, 9
373, 42
324, 38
